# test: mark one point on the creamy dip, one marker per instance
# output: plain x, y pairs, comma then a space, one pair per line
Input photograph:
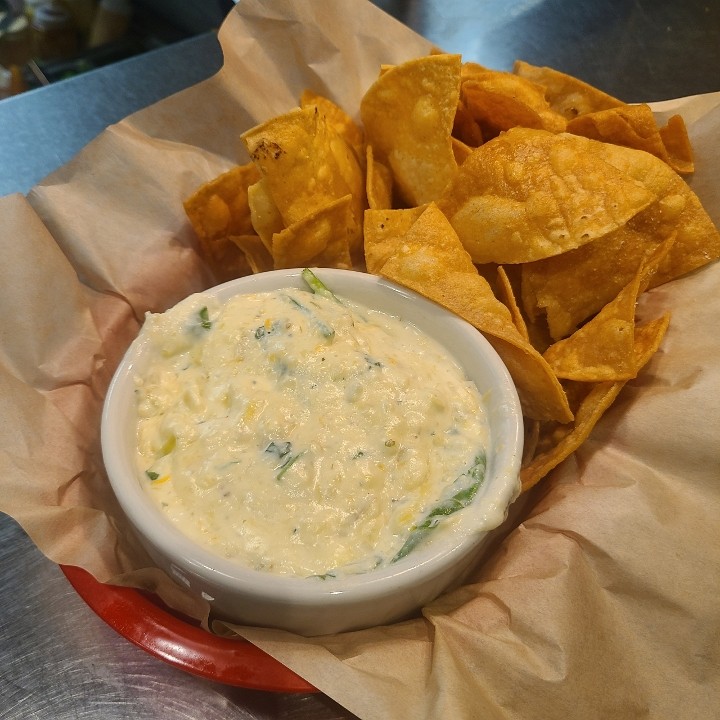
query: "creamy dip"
301, 434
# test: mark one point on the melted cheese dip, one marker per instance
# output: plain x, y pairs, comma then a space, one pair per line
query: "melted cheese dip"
299, 434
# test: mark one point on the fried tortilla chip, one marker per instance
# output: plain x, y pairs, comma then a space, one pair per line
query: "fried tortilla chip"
603, 348
573, 286
320, 239
677, 145
470, 70
567, 95
219, 209
568, 438
634, 126
558, 442
307, 166
256, 254
461, 151
427, 257
531, 194
378, 182
383, 229
264, 214
336, 117
408, 116
677, 209
498, 101
465, 127
507, 297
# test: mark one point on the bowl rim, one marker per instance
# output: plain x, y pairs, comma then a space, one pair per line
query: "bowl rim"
422, 563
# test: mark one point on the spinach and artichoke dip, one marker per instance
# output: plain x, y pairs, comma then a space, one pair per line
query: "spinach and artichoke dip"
303, 434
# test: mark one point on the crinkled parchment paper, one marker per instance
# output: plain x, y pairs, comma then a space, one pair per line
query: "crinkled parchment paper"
599, 601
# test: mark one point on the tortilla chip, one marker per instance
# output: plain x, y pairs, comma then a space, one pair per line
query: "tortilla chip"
531, 194
498, 101
219, 207
321, 239
264, 214
428, 257
306, 165
571, 287
677, 145
256, 254
567, 95
507, 297
558, 442
634, 126
465, 127
461, 151
217, 210
677, 209
470, 70
603, 348
648, 338
382, 230
567, 439
336, 117
378, 182
408, 116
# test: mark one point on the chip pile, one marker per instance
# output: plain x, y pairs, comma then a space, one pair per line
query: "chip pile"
531, 204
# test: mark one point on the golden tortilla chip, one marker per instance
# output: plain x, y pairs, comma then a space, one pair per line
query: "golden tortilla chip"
321, 239
307, 166
677, 145
603, 348
461, 151
429, 258
499, 101
408, 116
507, 297
677, 209
634, 126
567, 95
531, 194
558, 442
568, 438
256, 254
217, 210
573, 286
219, 207
336, 117
648, 337
382, 230
264, 214
378, 182
465, 127
471, 70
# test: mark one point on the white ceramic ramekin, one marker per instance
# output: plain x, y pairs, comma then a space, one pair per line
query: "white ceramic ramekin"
311, 606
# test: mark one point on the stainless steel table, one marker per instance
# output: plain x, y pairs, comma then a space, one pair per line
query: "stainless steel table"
57, 659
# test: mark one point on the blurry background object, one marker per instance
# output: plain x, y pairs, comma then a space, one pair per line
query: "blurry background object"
5, 82
638, 40
83, 13
54, 36
15, 41
111, 22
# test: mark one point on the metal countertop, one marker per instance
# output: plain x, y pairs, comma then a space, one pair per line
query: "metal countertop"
57, 658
